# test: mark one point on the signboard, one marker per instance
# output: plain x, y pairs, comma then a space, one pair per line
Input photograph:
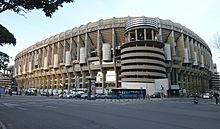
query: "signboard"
93, 87
175, 87
2, 90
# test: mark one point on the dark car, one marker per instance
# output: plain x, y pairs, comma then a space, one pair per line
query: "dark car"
102, 96
156, 95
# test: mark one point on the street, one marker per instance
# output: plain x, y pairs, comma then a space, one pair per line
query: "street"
36, 112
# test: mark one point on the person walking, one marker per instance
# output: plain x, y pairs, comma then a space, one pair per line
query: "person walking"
216, 95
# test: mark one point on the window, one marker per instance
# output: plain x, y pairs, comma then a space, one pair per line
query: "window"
132, 35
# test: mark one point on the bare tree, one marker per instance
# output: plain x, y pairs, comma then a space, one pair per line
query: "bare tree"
216, 41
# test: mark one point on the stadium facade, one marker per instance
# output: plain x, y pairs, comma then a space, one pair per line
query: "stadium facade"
130, 52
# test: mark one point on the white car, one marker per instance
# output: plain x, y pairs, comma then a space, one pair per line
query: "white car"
206, 96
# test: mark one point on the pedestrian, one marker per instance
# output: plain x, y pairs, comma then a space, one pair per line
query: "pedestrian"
216, 95
196, 98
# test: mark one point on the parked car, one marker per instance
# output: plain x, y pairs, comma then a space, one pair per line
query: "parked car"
43, 93
14, 92
206, 96
84, 96
102, 96
156, 95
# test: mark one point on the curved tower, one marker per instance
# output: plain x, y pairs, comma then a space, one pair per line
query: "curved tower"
142, 55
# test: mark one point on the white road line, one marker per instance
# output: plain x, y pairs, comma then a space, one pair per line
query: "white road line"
51, 106
21, 108
9, 104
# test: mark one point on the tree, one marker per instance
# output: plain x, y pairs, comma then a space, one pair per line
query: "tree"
4, 59
18, 6
216, 41
5, 38
48, 6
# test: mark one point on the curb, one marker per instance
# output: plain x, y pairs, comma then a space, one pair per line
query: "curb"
2, 126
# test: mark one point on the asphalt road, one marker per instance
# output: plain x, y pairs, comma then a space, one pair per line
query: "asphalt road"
30, 112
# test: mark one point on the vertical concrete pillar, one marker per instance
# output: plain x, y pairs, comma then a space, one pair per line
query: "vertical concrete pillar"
64, 51
78, 47
86, 45
83, 80
114, 53
98, 44
69, 81
77, 81
152, 35
52, 55
63, 81
136, 35
48, 83
172, 42
52, 82
180, 46
43, 55
58, 81
160, 38
145, 34
187, 45
191, 50
71, 50
103, 79
129, 36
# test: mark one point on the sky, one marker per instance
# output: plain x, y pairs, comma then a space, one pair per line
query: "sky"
200, 16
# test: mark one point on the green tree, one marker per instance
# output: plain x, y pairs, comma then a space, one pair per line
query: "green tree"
18, 6
48, 6
5, 38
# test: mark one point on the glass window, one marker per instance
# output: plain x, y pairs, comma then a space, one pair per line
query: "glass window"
132, 35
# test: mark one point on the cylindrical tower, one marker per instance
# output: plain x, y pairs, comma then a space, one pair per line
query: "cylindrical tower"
142, 55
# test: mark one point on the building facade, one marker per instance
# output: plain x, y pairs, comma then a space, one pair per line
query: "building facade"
215, 80
118, 52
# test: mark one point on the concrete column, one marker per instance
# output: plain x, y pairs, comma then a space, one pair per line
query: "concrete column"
48, 83
191, 51
58, 81
152, 35
58, 52
180, 46
145, 34
52, 82
136, 35
77, 81
103, 78
63, 80
129, 36
78, 48
98, 44
64, 51
114, 52
172, 42
160, 38
52, 58
86, 45
71, 50
69, 81
83, 80
43, 55
187, 45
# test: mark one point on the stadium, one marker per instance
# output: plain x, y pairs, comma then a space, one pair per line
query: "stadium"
128, 52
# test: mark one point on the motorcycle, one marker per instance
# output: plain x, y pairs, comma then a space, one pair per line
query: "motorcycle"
196, 99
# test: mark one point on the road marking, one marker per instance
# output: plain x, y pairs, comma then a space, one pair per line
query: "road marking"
21, 108
9, 104
51, 106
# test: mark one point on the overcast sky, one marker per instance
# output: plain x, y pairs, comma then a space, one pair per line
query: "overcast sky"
200, 16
